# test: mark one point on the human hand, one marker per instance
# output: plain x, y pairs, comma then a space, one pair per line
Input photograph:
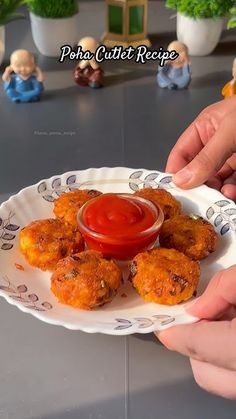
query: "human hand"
39, 74
211, 343
7, 74
206, 150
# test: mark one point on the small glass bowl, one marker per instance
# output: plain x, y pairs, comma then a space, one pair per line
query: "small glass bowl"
126, 246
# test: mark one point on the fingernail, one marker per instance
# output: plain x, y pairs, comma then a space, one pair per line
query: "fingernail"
183, 176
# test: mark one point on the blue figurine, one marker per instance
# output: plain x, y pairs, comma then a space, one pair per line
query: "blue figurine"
23, 80
175, 74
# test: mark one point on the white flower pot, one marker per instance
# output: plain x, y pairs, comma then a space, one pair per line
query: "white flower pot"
50, 34
2, 43
200, 35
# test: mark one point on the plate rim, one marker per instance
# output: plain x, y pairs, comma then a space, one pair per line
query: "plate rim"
197, 188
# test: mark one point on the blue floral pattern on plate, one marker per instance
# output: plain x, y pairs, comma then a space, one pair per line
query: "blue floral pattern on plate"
7, 232
20, 293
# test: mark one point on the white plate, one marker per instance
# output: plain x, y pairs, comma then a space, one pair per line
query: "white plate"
30, 291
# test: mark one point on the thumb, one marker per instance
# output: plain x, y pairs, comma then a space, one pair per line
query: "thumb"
214, 341
218, 297
211, 158
211, 342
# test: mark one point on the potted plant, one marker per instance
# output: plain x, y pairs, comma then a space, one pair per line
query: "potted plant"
54, 23
7, 14
200, 23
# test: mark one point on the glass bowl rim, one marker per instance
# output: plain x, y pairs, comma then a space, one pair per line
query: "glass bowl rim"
155, 227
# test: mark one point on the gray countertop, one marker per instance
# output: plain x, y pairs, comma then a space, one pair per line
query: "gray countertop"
48, 372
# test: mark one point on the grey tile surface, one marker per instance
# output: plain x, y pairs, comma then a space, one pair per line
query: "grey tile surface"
49, 372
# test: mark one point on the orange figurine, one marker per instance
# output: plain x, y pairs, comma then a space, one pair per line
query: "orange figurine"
230, 88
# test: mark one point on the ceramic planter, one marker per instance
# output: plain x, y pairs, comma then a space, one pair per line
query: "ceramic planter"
2, 43
50, 34
200, 35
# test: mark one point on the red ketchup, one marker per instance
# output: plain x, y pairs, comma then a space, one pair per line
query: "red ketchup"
120, 225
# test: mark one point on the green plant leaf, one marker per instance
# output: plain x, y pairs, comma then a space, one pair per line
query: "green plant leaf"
202, 8
8, 10
53, 8
11, 18
231, 23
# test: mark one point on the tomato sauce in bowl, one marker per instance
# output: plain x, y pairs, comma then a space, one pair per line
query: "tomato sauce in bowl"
120, 225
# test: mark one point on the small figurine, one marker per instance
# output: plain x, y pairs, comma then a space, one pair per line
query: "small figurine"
23, 80
230, 88
175, 74
88, 72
